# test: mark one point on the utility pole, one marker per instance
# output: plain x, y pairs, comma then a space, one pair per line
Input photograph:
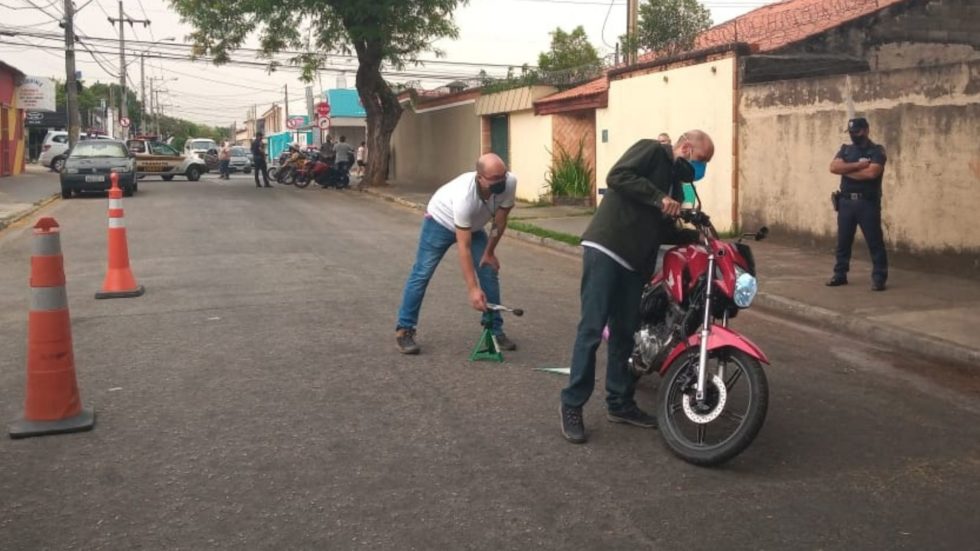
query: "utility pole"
71, 94
123, 19
632, 9
285, 107
142, 94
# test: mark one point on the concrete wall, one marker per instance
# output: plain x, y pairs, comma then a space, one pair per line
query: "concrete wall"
435, 145
674, 101
927, 118
530, 140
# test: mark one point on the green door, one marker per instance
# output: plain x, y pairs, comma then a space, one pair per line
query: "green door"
499, 137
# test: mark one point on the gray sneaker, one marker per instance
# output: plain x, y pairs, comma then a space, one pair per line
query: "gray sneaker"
405, 339
505, 343
632, 416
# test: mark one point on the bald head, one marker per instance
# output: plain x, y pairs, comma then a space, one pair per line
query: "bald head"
491, 167
698, 143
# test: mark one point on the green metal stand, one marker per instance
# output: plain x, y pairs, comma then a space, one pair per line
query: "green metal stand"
486, 349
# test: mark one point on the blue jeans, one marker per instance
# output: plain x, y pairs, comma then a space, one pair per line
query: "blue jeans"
434, 241
610, 293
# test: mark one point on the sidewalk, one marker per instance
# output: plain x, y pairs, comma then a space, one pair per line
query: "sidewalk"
922, 313
25, 193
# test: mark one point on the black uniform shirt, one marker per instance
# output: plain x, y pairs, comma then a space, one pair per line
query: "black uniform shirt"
851, 153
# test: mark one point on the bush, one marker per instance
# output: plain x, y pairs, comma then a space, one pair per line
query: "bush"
569, 175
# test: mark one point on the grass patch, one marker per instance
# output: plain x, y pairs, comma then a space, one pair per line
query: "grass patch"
541, 232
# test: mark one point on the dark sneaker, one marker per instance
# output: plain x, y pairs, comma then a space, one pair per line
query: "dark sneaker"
504, 343
878, 286
572, 426
633, 416
405, 338
837, 281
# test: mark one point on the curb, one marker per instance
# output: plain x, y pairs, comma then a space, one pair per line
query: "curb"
876, 332
36, 206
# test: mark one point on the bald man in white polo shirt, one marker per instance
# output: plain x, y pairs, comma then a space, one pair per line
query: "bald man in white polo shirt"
458, 213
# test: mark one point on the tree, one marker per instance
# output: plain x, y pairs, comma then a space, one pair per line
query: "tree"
670, 26
381, 33
569, 51
90, 100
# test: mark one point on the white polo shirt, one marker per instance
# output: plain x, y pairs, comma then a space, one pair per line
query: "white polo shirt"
458, 205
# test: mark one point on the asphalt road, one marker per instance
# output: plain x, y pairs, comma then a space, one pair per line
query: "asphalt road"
254, 399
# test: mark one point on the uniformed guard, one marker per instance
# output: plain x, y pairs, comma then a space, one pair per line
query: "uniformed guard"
858, 203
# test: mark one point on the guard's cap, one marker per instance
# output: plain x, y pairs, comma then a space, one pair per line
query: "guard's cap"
857, 124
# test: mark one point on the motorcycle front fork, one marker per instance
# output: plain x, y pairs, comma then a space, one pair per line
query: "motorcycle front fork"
705, 333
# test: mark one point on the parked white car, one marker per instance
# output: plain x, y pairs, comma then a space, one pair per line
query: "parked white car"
199, 147
54, 149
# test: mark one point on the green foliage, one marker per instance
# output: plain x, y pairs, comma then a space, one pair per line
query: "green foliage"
181, 130
542, 232
670, 26
379, 32
569, 51
569, 175
90, 97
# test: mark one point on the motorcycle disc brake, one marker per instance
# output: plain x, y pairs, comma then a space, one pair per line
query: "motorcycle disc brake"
705, 417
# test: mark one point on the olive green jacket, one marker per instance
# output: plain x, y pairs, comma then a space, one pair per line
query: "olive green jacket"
629, 222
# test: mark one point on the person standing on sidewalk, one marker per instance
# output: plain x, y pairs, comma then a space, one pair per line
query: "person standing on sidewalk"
457, 213
343, 153
361, 159
224, 161
258, 157
860, 165
619, 256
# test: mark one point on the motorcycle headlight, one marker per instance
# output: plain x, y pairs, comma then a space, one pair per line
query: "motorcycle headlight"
745, 288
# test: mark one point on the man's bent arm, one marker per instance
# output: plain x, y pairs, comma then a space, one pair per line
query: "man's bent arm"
625, 177
499, 224
870, 172
840, 166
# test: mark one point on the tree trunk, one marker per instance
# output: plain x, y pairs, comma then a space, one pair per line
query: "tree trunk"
383, 113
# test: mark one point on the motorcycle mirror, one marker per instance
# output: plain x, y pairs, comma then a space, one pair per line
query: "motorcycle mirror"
762, 233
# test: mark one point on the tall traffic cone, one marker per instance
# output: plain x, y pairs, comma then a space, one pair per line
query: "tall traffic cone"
52, 405
119, 281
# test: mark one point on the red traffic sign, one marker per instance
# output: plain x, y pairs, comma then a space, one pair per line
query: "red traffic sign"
294, 122
124, 122
323, 109
323, 123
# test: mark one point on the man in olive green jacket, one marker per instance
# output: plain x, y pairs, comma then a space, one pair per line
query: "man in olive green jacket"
620, 246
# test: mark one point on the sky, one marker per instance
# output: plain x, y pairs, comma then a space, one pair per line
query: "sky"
492, 35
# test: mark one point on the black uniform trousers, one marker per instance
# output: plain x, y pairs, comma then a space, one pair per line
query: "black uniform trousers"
865, 213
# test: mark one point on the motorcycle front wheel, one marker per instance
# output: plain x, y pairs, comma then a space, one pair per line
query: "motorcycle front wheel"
721, 426
302, 180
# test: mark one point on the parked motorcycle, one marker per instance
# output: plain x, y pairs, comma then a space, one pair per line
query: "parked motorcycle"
318, 169
714, 393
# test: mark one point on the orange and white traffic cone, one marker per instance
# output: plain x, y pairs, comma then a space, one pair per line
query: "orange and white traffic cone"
119, 281
52, 405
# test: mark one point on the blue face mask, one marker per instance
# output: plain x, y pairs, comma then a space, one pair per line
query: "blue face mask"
700, 167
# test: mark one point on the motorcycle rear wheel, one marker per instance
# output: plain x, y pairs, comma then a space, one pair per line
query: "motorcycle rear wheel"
743, 407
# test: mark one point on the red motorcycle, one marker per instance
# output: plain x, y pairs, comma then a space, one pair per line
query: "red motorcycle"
317, 169
705, 415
